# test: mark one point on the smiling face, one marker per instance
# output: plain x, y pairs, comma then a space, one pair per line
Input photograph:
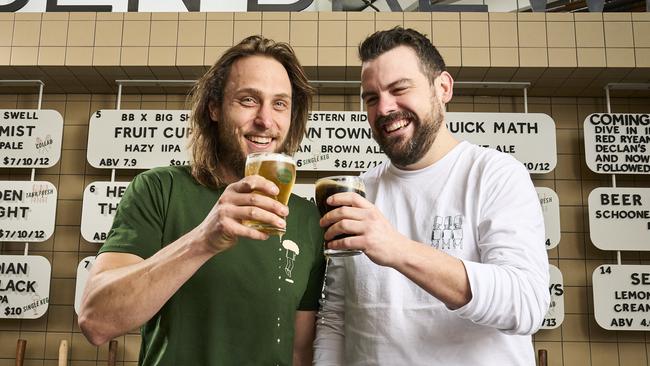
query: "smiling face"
404, 110
255, 114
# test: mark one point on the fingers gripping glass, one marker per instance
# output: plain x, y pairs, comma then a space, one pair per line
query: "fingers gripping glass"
279, 169
328, 186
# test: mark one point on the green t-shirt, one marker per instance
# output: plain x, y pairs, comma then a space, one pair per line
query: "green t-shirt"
239, 307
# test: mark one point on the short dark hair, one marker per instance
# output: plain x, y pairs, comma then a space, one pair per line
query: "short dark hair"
210, 89
380, 42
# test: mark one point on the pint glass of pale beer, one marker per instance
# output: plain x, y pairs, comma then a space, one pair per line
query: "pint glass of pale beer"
328, 186
279, 169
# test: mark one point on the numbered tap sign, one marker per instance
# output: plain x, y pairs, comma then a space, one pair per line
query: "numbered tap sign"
99, 205
622, 297
551, 211
27, 210
338, 141
138, 139
24, 286
529, 137
617, 143
619, 218
30, 138
83, 271
555, 315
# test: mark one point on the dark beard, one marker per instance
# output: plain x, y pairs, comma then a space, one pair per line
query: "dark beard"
229, 152
404, 153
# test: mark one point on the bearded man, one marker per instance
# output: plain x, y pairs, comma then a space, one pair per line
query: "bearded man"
455, 270
179, 262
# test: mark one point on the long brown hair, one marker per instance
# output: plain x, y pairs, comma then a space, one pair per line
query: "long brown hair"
210, 89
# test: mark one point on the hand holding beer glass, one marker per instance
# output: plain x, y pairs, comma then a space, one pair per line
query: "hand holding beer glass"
279, 169
325, 187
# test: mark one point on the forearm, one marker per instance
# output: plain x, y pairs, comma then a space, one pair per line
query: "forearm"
120, 299
438, 273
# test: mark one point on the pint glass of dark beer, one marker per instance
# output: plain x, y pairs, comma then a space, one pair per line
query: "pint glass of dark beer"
279, 169
328, 186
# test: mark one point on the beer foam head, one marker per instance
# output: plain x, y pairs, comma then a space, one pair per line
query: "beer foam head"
343, 181
267, 156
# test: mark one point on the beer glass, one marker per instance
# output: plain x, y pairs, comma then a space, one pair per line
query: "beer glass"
279, 169
328, 186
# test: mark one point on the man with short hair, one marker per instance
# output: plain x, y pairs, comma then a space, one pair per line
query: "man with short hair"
178, 261
455, 270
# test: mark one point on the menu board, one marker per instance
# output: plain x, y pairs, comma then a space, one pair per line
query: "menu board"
555, 315
617, 143
100, 202
24, 286
30, 138
529, 137
619, 218
83, 271
551, 210
138, 139
27, 210
622, 297
338, 141
342, 141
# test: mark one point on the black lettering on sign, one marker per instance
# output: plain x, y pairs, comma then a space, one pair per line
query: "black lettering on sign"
17, 212
13, 268
115, 191
16, 131
640, 278
620, 199
621, 322
17, 286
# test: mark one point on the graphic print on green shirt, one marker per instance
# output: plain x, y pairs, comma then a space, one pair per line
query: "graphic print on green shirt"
239, 307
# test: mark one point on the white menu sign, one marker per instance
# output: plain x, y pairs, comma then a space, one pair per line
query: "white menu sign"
138, 139
555, 315
30, 138
27, 210
551, 211
342, 141
24, 286
619, 218
83, 271
622, 297
529, 137
305, 190
338, 141
617, 143
100, 202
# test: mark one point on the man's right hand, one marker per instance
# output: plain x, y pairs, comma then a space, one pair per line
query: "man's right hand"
243, 200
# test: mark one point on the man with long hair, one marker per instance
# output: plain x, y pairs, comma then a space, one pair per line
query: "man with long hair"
455, 270
179, 262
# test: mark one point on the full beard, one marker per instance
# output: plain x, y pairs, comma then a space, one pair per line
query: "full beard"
230, 153
401, 151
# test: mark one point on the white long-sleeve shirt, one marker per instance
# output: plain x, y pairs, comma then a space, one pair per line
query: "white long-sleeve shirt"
475, 204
